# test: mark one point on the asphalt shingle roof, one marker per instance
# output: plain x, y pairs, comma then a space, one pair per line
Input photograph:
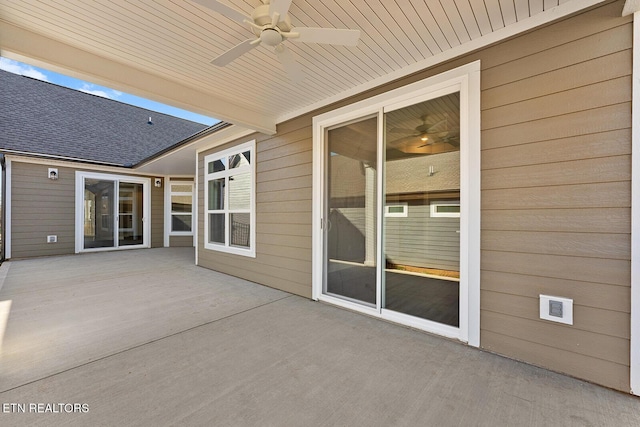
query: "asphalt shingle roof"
44, 118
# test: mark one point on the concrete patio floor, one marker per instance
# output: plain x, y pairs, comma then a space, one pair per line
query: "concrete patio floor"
144, 337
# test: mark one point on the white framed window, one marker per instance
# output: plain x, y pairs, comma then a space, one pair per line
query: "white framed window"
396, 210
445, 209
181, 208
229, 200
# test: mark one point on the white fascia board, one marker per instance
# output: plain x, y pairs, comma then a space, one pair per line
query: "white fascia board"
73, 164
7, 213
220, 138
553, 14
29, 47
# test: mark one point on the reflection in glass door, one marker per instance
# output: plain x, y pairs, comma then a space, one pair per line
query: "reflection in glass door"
99, 196
416, 272
422, 210
130, 214
350, 211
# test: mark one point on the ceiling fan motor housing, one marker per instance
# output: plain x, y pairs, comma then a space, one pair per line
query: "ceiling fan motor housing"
261, 17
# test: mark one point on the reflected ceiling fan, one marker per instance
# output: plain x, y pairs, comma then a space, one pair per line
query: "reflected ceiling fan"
272, 26
428, 133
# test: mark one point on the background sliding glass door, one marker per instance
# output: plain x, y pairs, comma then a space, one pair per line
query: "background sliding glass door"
99, 214
113, 212
130, 229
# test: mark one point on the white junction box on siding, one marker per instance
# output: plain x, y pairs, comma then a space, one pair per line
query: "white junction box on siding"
556, 309
52, 239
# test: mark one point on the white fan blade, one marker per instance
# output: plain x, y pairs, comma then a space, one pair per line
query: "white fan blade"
224, 10
326, 35
281, 7
293, 69
235, 52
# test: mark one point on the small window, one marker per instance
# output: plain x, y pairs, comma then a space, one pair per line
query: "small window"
181, 199
399, 210
445, 209
230, 201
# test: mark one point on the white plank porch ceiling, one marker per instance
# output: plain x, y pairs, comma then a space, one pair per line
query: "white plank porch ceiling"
177, 39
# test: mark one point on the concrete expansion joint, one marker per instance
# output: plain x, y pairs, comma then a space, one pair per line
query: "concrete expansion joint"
145, 343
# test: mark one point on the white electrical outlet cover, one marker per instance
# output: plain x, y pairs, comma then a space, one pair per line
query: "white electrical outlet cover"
567, 309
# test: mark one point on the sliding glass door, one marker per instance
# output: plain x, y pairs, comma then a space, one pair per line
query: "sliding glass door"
421, 225
112, 211
99, 213
351, 216
396, 212
392, 213
130, 229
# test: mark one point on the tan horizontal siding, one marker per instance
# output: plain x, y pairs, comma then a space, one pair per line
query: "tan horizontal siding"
594, 195
597, 270
567, 338
606, 169
283, 214
612, 117
587, 319
599, 371
587, 24
290, 172
41, 207
157, 215
302, 230
295, 195
568, 53
589, 294
290, 206
591, 71
589, 146
589, 245
555, 203
180, 241
585, 220
610, 92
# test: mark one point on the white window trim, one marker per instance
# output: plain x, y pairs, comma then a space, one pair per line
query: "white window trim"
7, 213
167, 203
251, 251
403, 214
433, 207
635, 213
146, 209
466, 79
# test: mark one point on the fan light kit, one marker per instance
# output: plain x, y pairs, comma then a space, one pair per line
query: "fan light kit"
271, 24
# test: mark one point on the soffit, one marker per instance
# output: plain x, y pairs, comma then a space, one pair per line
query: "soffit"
174, 41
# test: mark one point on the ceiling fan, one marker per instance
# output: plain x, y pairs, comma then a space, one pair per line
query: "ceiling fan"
271, 24
428, 133
425, 129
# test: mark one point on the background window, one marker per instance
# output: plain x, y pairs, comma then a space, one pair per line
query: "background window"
396, 210
181, 207
230, 200
445, 209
